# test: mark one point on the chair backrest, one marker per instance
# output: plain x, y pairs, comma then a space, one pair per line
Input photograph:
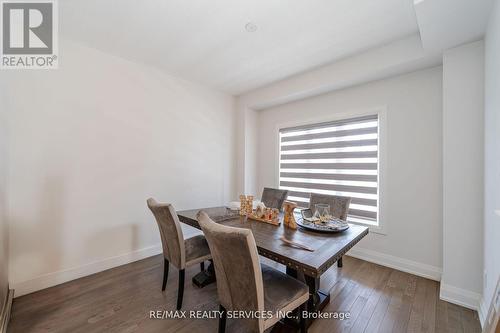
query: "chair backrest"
237, 267
339, 206
274, 198
172, 238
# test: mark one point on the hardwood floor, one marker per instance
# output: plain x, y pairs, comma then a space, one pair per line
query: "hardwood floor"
379, 299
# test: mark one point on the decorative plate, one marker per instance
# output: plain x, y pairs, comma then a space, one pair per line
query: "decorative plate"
334, 225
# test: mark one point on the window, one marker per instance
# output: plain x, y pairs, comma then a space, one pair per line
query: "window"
337, 158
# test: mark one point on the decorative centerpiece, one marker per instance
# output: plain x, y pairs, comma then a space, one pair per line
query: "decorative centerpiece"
249, 204
265, 214
321, 220
261, 213
289, 218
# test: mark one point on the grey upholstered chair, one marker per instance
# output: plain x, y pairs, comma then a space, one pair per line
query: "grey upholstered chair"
243, 284
339, 207
180, 252
273, 198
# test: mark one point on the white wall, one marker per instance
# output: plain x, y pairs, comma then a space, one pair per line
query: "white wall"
492, 157
251, 152
89, 143
413, 194
4, 232
463, 126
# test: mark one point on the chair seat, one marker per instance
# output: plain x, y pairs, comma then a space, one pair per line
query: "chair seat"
281, 292
197, 250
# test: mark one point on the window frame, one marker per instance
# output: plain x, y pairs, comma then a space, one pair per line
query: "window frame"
381, 112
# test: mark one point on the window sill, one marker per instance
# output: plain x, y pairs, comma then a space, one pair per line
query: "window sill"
374, 228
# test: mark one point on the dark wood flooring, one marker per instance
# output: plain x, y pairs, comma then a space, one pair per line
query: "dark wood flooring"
379, 299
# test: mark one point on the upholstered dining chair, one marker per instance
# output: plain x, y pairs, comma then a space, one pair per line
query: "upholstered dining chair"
274, 198
243, 284
339, 207
178, 251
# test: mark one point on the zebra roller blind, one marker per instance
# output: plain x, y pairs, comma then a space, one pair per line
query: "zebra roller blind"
337, 158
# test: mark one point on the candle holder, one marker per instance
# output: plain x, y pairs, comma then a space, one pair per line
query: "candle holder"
288, 217
243, 204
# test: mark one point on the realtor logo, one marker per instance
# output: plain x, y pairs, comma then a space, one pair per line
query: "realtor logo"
29, 34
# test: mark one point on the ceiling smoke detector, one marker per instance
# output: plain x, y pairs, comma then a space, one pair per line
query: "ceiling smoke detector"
251, 27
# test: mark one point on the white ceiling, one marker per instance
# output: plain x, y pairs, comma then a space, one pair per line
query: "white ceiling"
447, 23
205, 41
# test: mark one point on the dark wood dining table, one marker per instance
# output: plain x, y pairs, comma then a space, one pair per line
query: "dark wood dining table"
328, 247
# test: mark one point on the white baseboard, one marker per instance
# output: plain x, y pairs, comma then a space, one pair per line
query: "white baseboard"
482, 312
401, 264
55, 278
459, 296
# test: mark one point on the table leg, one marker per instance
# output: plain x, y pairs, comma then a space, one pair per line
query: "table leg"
317, 299
339, 262
205, 277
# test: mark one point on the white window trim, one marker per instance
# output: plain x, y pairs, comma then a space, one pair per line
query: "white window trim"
381, 111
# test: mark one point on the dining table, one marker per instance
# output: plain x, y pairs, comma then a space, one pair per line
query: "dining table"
327, 248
